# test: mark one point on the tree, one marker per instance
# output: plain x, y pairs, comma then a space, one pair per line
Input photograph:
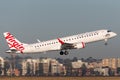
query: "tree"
6, 67
0, 69
84, 69
28, 69
75, 59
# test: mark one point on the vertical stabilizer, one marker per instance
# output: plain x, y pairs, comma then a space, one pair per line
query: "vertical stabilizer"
13, 43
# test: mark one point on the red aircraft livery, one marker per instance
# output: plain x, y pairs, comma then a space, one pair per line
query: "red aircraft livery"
13, 43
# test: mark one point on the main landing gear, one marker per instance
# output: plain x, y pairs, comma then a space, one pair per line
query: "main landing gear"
106, 43
65, 52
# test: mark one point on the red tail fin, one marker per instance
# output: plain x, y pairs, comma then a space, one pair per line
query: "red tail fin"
13, 43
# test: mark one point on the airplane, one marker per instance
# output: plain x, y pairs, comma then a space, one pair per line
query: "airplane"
64, 44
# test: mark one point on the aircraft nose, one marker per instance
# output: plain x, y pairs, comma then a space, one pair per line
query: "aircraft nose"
114, 34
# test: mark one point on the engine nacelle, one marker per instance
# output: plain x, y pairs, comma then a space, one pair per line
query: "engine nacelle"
80, 45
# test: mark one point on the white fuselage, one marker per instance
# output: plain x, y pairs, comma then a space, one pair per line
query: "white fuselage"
52, 45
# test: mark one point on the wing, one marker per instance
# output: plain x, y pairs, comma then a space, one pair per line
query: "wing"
65, 46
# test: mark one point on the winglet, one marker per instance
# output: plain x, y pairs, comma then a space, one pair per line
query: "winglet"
38, 40
60, 41
83, 44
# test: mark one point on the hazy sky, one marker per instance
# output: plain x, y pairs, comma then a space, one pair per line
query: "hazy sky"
29, 20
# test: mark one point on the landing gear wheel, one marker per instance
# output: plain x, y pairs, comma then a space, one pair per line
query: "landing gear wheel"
61, 52
66, 52
106, 43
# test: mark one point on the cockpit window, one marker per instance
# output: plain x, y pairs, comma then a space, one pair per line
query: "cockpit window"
109, 31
